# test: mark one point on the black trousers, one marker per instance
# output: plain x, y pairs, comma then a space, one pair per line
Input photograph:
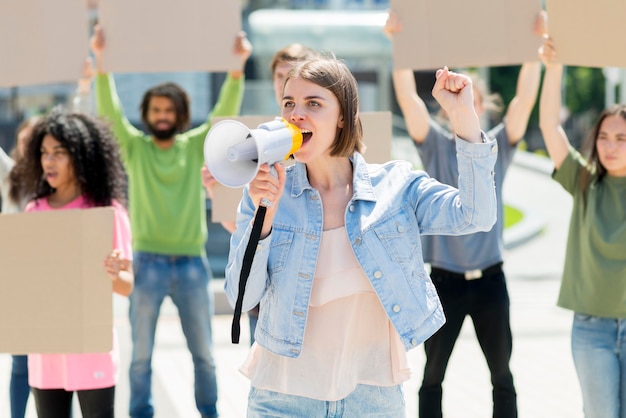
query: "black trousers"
57, 403
486, 301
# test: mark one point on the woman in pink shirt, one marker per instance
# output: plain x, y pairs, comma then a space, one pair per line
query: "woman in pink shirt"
72, 162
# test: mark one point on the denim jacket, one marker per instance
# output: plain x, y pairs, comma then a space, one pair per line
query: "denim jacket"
392, 204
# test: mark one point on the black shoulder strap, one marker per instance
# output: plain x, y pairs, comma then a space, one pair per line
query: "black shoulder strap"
248, 257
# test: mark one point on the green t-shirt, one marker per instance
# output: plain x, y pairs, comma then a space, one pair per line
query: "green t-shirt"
166, 198
594, 276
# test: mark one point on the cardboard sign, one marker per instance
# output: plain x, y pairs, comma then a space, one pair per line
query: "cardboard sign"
588, 33
161, 36
35, 47
56, 296
461, 33
377, 135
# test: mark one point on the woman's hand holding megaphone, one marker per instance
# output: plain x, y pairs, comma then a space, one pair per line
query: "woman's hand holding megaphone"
268, 188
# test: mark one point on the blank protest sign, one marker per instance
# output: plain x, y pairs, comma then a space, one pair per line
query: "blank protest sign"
461, 33
42, 41
164, 36
588, 33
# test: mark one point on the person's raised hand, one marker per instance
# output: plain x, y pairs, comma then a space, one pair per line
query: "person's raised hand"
547, 52
393, 24
243, 47
454, 92
97, 45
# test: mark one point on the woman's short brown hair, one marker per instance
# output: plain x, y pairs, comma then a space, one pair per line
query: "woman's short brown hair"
334, 75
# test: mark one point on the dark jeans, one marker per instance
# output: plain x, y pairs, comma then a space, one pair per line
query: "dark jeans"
18, 388
57, 403
486, 301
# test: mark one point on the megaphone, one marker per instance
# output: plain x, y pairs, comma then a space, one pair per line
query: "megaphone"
233, 152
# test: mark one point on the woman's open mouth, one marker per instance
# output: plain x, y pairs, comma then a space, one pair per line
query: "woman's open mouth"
306, 135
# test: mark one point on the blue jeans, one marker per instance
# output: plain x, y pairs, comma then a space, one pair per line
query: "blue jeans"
364, 401
18, 388
599, 351
185, 279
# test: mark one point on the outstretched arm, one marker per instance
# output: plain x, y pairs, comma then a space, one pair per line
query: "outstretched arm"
554, 136
520, 108
413, 108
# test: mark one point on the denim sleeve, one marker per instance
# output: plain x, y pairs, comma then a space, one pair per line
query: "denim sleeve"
256, 285
472, 207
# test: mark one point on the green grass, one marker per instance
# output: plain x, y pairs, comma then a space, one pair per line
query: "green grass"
511, 216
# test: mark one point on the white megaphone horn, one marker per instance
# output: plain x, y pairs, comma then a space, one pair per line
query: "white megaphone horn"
233, 153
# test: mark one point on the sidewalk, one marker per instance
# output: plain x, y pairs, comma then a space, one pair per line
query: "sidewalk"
544, 373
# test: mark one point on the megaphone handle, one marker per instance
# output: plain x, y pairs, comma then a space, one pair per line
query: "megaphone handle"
246, 265
264, 201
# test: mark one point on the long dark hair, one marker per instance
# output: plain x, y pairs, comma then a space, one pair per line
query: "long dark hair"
590, 150
93, 151
17, 193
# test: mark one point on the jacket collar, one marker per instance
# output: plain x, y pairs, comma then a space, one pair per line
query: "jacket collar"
361, 181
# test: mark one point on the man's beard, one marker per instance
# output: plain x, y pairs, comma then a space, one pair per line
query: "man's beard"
162, 134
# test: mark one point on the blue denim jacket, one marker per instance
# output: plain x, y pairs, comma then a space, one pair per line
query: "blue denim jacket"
391, 206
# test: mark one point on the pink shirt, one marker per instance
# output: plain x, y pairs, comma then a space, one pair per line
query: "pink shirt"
81, 371
348, 339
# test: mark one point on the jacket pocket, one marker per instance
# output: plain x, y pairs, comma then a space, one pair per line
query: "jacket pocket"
399, 235
279, 249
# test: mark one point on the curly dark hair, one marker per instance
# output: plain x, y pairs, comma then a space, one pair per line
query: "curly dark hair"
94, 154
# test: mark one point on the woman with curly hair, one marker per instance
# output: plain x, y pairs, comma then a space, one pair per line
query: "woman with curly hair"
72, 162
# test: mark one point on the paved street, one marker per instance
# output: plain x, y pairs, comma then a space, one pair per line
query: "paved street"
542, 365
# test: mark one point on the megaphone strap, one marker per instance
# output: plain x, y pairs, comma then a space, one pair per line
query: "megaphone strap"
246, 265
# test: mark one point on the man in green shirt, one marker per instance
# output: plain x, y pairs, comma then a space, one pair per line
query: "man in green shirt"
167, 212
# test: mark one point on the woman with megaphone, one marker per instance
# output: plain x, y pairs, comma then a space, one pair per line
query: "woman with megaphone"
338, 268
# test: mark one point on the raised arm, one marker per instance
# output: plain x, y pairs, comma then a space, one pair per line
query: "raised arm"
413, 108
554, 136
454, 93
520, 108
107, 100
231, 94
82, 100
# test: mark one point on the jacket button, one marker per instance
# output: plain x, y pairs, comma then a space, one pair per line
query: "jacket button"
400, 228
378, 274
357, 241
396, 308
351, 208
414, 342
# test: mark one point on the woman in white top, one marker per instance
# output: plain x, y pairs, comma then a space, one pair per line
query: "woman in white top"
338, 268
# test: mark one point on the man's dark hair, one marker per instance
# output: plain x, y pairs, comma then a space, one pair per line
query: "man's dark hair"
176, 94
